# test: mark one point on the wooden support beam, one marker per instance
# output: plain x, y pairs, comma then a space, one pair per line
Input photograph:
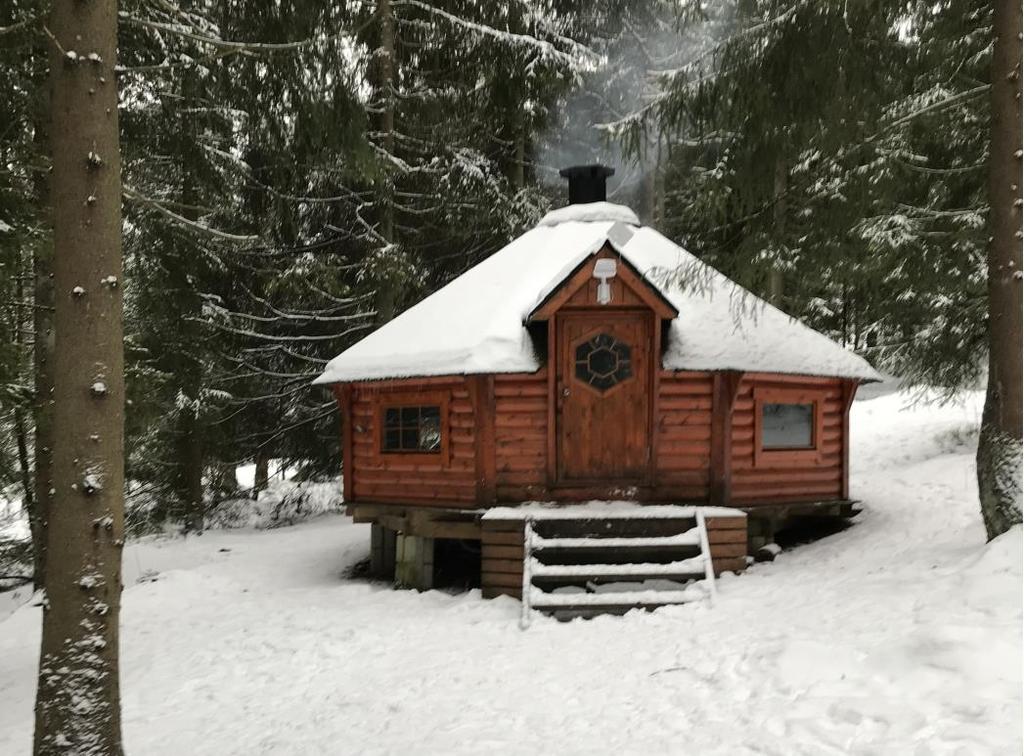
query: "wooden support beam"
343, 393
725, 388
414, 562
849, 392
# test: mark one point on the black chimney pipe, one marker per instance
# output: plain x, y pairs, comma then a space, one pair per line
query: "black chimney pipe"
587, 182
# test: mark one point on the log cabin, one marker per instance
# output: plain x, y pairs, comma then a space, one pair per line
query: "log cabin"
590, 360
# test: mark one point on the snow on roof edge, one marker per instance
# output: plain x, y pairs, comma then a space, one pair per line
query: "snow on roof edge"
487, 308
591, 212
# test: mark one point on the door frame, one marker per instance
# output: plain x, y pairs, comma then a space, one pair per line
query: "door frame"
556, 382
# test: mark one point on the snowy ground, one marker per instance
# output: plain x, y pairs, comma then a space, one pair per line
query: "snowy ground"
901, 635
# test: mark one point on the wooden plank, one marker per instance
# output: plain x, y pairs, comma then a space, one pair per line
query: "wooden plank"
490, 592
505, 566
725, 523
729, 564
348, 462
490, 551
720, 536
849, 392
501, 579
724, 550
499, 538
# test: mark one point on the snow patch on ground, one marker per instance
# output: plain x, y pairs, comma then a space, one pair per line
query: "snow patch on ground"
899, 635
284, 502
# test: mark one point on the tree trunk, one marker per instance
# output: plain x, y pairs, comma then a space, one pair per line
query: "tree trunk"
262, 475
384, 66
780, 183
386, 87
999, 444
78, 704
42, 350
518, 176
191, 463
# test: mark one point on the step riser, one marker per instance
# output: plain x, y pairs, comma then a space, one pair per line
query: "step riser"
612, 528
655, 555
550, 583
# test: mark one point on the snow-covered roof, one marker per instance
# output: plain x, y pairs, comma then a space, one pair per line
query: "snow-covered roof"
476, 324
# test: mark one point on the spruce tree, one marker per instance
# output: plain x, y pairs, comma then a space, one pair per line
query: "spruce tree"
78, 705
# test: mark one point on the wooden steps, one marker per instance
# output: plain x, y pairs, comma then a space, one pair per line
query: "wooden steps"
580, 564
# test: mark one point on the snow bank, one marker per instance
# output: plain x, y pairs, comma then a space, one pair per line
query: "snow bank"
475, 323
284, 502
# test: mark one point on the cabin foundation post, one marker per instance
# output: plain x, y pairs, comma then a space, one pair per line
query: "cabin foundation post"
382, 552
414, 562
760, 532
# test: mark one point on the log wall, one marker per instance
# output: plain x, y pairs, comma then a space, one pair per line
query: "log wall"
766, 481
682, 425
424, 479
521, 436
507, 460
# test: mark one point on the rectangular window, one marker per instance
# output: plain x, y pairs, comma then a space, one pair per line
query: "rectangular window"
787, 426
415, 430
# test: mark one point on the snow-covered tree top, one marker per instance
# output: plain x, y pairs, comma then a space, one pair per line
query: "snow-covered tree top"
475, 324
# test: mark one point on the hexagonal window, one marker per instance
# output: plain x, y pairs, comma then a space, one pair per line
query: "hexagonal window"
602, 362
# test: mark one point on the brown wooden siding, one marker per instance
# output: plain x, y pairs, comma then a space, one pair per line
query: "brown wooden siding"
444, 479
683, 428
771, 482
521, 435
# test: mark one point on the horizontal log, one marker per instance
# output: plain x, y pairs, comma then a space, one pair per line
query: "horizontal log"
670, 446
768, 379
720, 535
540, 376
669, 464
761, 476
534, 405
521, 421
679, 417
516, 493
412, 491
729, 564
725, 550
684, 404
509, 566
491, 591
502, 532
831, 459
725, 523
535, 390
536, 478
491, 551
403, 499
501, 579
787, 490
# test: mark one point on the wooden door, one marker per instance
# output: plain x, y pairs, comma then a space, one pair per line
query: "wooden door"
603, 397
